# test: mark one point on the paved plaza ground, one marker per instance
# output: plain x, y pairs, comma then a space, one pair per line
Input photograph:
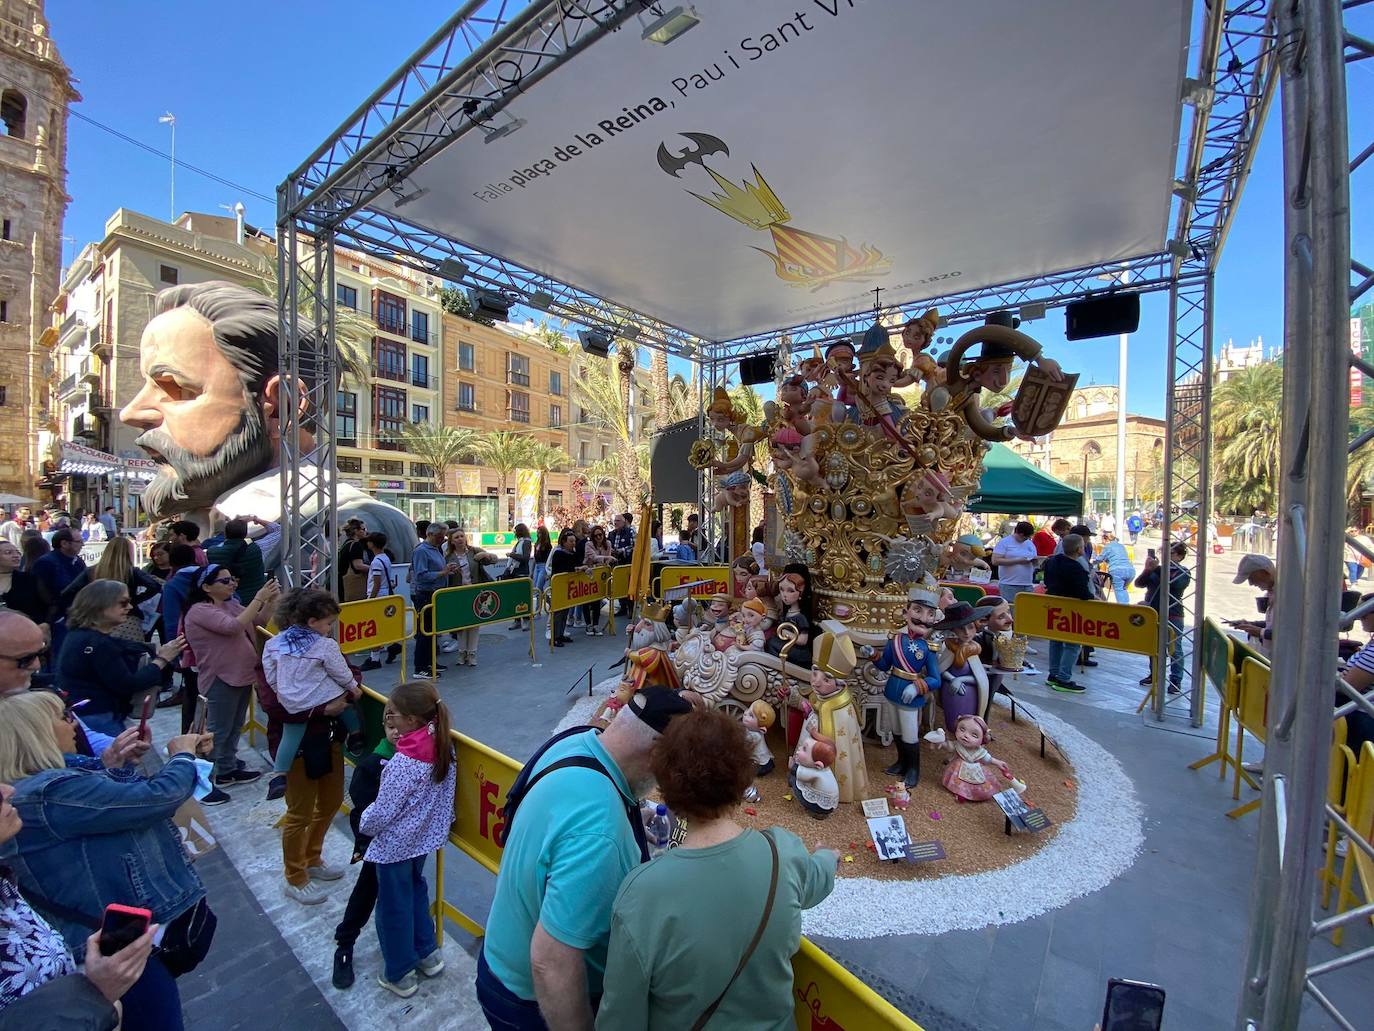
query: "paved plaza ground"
1176, 917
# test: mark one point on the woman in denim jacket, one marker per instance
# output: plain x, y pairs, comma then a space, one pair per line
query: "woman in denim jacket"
91, 837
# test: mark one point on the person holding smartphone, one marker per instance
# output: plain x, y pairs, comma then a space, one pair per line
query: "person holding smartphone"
88, 837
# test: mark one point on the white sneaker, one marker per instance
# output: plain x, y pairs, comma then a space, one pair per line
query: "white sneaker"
325, 872
405, 987
449, 646
432, 965
308, 894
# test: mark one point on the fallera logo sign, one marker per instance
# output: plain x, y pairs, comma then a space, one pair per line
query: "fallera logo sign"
1058, 620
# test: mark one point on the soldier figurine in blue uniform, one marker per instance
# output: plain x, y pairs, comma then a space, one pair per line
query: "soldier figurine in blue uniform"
912, 672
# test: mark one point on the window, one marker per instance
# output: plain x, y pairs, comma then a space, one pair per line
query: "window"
583, 457
2, 396
5, 234
346, 418
349, 465
386, 467
555, 499
419, 414
389, 359
555, 383
467, 360
388, 415
390, 312
419, 371
519, 406
13, 111
605, 451
167, 274
421, 471
555, 415
467, 397
517, 370
419, 326
346, 296
4, 311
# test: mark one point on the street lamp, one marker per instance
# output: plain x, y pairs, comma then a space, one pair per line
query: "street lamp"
1119, 508
171, 120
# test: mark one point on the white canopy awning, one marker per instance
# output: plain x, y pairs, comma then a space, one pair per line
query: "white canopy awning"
78, 459
781, 159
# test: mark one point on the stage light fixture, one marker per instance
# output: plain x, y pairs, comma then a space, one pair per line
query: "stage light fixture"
452, 269
1197, 93
757, 368
1031, 312
1111, 315
1177, 248
1185, 190
489, 304
403, 198
541, 299
594, 342
668, 27
503, 130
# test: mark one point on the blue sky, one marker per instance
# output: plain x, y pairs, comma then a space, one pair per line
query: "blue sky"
255, 90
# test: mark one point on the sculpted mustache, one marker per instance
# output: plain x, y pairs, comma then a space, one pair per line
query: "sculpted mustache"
158, 440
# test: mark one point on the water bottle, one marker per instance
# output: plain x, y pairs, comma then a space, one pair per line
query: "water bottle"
658, 831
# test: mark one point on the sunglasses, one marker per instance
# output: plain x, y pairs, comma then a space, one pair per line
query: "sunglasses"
224, 580
27, 660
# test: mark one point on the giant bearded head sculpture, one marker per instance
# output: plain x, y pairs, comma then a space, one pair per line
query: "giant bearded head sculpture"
208, 407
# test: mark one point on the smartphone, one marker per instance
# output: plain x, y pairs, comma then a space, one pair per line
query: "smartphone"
121, 927
143, 734
1133, 1006
198, 722
1150, 553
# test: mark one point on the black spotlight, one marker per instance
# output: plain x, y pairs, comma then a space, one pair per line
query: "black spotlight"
1102, 316
595, 343
489, 304
757, 368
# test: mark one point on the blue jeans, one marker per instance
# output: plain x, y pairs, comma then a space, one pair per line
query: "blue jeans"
1175, 653
153, 1003
1062, 658
504, 1010
405, 929
1353, 571
1119, 590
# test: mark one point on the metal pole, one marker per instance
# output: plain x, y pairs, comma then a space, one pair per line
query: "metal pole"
1123, 344
170, 119
1161, 668
1197, 699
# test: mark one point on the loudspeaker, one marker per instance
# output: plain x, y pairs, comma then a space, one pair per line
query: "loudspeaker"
757, 368
595, 343
491, 305
1102, 317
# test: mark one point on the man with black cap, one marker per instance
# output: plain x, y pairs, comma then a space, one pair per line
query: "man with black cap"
577, 836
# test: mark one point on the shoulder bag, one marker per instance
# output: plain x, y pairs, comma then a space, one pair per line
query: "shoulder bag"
710, 1010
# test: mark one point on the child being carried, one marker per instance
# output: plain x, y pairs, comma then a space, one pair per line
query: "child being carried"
306, 668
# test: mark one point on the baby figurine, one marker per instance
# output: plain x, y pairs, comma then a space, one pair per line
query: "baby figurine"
967, 776
811, 779
754, 633
757, 720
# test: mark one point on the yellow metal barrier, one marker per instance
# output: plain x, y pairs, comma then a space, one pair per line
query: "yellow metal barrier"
1219, 666
1360, 815
1252, 712
1340, 784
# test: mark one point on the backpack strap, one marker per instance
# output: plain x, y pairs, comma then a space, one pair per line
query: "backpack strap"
710, 1010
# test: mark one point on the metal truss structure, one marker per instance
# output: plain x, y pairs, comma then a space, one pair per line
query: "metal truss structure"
462, 78
1321, 282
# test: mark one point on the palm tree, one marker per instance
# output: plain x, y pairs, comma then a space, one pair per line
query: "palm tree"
747, 405
504, 452
352, 329
626, 357
607, 472
597, 390
658, 376
1247, 414
545, 459
684, 400
439, 446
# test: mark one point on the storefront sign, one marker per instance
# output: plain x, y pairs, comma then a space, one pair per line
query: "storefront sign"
388, 485
1126, 628
496, 540
371, 623
569, 589
457, 608
718, 578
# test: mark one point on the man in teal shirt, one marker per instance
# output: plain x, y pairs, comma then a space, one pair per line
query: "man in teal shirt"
544, 953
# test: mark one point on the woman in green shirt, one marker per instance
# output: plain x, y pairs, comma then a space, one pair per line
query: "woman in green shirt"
694, 933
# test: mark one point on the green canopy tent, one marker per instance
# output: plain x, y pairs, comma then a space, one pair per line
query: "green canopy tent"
1011, 484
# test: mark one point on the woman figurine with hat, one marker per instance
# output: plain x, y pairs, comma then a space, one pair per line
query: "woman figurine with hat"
790, 588
963, 680
912, 673
834, 716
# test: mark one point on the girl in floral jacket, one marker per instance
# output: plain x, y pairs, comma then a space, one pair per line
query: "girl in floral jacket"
410, 819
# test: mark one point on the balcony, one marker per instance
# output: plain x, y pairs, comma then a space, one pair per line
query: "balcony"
90, 372
389, 372
421, 336
389, 325
99, 344
424, 382
387, 444
517, 379
347, 442
67, 385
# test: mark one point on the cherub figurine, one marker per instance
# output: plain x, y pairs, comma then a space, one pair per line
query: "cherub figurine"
964, 554
732, 491
793, 394
839, 376
790, 453
834, 716
754, 631
991, 371
912, 673
917, 335
967, 775
963, 681
723, 418
757, 720
875, 404
926, 500
811, 779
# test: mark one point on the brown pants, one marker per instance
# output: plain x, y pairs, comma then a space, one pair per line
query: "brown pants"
310, 806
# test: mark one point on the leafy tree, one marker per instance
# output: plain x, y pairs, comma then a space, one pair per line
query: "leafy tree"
545, 458
598, 391
551, 338
439, 446
1247, 416
352, 329
504, 452
455, 301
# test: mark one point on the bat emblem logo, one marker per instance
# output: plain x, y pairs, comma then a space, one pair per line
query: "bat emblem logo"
706, 145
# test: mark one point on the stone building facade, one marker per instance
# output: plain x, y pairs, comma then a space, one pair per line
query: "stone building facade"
35, 89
